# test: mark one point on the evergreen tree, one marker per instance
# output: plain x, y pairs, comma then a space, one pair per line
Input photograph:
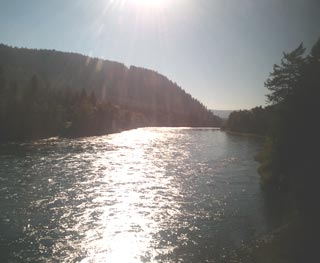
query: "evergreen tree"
284, 77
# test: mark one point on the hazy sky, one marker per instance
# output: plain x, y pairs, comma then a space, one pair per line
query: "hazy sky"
219, 51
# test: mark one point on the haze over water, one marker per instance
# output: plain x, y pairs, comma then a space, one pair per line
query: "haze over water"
145, 195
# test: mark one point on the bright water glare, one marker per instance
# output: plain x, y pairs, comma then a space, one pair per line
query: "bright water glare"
145, 195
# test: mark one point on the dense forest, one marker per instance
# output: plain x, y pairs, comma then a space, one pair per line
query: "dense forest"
291, 152
47, 93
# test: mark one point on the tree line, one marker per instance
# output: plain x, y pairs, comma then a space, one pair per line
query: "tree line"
256, 120
33, 112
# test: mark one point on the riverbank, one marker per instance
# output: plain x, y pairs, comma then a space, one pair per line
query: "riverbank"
291, 242
247, 134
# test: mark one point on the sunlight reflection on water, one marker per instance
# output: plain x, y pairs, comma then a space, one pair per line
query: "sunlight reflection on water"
145, 195
134, 183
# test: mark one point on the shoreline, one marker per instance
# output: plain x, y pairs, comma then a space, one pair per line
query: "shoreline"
104, 134
246, 134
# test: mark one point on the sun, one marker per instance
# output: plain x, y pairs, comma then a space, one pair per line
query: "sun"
150, 3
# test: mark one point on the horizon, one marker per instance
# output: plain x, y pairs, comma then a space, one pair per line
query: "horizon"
220, 53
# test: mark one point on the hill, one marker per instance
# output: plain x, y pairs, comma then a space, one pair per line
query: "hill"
80, 95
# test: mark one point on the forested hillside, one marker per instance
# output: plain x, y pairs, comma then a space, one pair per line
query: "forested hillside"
46, 93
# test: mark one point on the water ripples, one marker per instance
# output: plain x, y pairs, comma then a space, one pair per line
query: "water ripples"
145, 195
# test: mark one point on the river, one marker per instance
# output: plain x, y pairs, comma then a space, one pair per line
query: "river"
144, 195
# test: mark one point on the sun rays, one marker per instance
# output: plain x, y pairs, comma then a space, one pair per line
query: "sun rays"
151, 3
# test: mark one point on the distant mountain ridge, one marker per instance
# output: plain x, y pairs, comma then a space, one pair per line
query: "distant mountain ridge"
150, 98
223, 114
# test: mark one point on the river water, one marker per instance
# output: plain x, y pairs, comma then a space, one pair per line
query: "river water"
144, 195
